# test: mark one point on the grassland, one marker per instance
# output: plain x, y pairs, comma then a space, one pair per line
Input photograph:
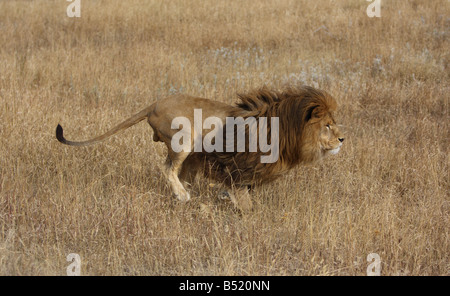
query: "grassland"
386, 192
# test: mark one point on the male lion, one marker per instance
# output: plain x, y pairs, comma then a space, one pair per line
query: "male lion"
306, 131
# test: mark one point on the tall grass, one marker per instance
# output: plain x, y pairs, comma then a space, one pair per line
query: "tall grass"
386, 192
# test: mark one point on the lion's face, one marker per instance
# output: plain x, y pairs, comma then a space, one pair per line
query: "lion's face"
330, 138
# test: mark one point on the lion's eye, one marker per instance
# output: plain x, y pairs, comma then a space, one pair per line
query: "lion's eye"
328, 126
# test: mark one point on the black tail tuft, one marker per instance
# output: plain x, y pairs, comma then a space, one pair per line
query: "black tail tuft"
59, 134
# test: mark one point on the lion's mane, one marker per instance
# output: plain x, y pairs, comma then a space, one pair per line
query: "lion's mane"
295, 108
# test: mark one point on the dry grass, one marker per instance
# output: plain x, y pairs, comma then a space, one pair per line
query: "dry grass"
386, 192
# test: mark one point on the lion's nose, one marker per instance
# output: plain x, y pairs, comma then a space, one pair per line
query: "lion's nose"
341, 140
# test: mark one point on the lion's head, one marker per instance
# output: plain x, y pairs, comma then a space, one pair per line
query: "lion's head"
330, 138
320, 135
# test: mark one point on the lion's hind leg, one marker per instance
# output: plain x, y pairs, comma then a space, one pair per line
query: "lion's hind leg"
173, 166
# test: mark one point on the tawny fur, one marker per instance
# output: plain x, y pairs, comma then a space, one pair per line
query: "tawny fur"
307, 132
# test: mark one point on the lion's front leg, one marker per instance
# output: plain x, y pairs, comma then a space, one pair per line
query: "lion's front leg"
239, 196
189, 169
242, 199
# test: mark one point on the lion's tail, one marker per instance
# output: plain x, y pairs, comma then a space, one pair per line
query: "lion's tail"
120, 127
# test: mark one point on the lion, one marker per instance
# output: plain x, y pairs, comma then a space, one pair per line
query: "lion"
307, 132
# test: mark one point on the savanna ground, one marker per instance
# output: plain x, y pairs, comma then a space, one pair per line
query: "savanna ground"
386, 192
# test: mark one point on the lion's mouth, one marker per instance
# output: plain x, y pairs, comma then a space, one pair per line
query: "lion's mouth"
334, 151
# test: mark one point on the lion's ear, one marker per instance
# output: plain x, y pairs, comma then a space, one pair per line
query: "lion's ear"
314, 112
